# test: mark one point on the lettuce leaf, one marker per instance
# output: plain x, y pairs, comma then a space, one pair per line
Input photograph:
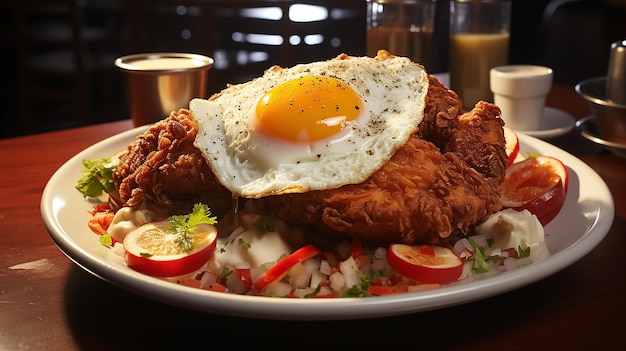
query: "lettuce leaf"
97, 177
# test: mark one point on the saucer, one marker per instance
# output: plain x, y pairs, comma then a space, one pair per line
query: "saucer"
589, 129
554, 123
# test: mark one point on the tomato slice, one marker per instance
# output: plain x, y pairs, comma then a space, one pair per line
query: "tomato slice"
244, 276
280, 269
512, 145
427, 264
100, 222
538, 185
152, 251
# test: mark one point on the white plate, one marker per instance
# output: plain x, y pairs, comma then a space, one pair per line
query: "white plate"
554, 123
583, 222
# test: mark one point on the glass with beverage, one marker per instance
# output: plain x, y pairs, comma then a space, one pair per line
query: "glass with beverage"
479, 41
402, 27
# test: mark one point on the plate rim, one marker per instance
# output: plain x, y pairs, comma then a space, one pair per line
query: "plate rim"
553, 132
320, 309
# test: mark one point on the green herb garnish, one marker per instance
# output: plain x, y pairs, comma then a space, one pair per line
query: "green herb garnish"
523, 252
226, 272
314, 292
185, 225
532, 155
97, 177
246, 245
366, 280
354, 291
480, 263
264, 224
106, 240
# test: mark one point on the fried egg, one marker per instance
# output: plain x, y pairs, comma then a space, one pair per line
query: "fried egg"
312, 126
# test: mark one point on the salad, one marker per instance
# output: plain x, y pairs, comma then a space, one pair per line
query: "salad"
262, 255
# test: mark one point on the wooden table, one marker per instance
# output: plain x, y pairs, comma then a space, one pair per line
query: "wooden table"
47, 302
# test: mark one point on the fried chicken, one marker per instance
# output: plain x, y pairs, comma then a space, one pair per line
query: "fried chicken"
164, 168
434, 189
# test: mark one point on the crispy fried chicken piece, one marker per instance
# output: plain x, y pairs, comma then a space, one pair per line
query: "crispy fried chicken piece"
434, 189
164, 168
441, 113
429, 192
475, 137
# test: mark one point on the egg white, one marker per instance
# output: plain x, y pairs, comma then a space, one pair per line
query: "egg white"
392, 90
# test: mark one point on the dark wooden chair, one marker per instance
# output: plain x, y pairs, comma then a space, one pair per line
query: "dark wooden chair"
574, 39
55, 63
247, 37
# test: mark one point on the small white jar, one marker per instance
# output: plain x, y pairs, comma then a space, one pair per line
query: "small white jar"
520, 92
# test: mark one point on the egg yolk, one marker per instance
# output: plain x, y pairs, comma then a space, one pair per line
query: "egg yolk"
308, 108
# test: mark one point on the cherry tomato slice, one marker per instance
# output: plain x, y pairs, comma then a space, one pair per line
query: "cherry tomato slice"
427, 264
149, 250
538, 185
512, 145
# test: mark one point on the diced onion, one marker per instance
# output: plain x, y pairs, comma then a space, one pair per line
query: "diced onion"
510, 264
462, 244
481, 240
299, 277
278, 289
302, 292
378, 265
118, 249
317, 278
380, 252
337, 281
350, 271
208, 278
325, 290
325, 267
257, 272
234, 284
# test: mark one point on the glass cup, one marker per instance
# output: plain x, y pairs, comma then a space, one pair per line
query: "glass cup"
520, 92
479, 41
402, 27
159, 83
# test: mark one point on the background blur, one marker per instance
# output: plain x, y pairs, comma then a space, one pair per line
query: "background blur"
58, 67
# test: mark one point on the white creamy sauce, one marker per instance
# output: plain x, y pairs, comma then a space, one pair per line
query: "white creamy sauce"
250, 246
127, 219
510, 229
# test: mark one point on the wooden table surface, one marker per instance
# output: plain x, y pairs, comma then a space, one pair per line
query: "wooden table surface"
49, 303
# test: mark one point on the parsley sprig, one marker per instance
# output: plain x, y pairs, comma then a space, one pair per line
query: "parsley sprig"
185, 225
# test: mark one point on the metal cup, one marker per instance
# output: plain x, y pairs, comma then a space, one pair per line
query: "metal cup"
609, 115
159, 83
